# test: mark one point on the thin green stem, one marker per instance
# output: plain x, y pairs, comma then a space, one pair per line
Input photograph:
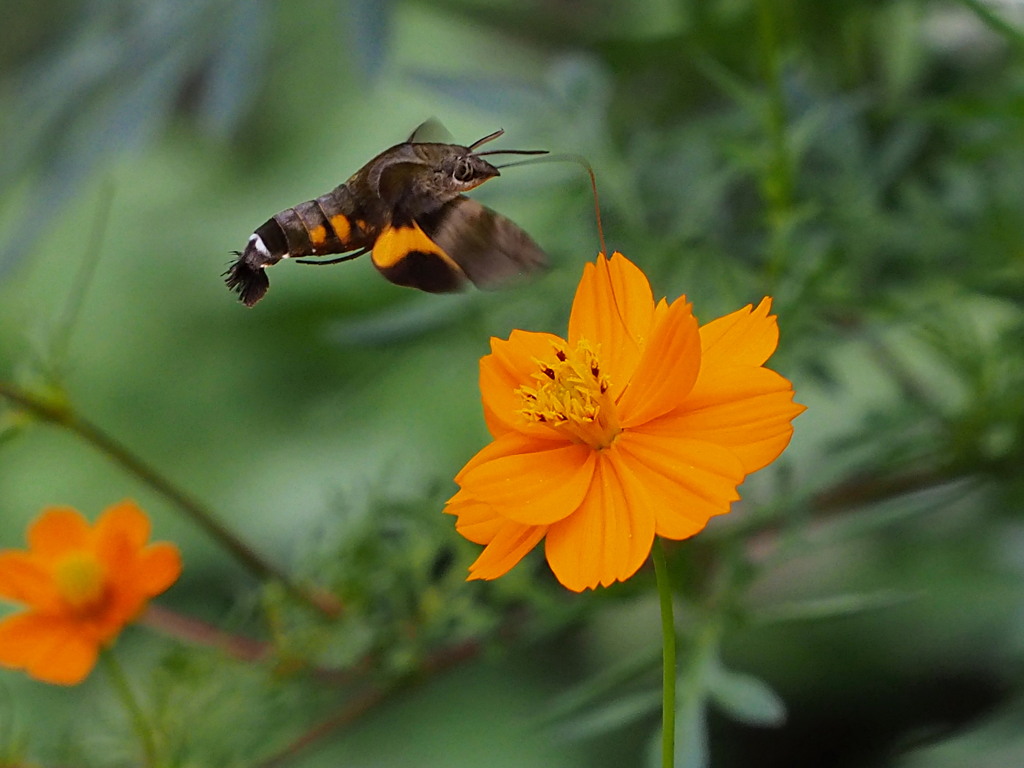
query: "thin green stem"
61, 414
131, 703
60, 344
668, 641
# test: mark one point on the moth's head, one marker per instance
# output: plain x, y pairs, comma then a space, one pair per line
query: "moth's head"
467, 170
426, 175
453, 170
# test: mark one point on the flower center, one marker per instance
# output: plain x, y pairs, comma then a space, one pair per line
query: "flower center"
571, 397
80, 582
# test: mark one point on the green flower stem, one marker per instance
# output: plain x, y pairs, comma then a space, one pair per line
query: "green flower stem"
61, 414
668, 639
131, 703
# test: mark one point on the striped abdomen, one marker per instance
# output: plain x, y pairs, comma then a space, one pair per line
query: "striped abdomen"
326, 225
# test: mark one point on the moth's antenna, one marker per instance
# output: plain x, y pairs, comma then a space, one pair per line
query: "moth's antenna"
581, 161
491, 137
485, 139
512, 152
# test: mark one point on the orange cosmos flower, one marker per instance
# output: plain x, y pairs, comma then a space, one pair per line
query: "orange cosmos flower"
639, 424
81, 585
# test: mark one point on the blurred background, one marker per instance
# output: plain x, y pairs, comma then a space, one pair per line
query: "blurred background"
863, 163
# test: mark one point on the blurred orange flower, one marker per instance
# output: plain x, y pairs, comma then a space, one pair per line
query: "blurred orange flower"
639, 424
81, 584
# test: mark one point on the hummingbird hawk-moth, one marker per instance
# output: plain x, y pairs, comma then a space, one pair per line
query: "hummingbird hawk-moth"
406, 208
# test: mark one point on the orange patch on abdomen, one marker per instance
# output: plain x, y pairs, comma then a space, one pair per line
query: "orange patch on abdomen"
342, 227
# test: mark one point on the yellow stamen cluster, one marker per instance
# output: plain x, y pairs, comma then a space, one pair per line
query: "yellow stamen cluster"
79, 580
571, 397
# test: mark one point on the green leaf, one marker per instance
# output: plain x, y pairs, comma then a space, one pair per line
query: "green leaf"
613, 678
616, 714
830, 607
745, 698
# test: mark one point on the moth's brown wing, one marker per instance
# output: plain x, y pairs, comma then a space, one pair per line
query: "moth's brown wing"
489, 249
406, 256
430, 130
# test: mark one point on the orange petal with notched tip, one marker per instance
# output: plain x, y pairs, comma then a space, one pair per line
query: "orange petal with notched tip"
748, 410
613, 310
606, 540
511, 543
476, 520
744, 337
667, 369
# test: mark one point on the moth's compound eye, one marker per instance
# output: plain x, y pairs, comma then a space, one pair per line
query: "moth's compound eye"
463, 171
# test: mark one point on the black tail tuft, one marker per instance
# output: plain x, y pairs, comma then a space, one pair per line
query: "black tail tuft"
250, 283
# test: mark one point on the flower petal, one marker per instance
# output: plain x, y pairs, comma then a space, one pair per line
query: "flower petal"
510, 545
667, 369
508, 444
49, 648
688, 481
24, 579
665, 497
607, 539
159, 567
510, 365
475, 520
507, 542
58, 530
125, 522
613, 310
533, 488
748, 410
744, 337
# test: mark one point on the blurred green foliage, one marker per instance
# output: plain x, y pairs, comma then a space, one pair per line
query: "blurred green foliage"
861, 162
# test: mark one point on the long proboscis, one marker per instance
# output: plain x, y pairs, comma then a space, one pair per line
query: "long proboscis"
585, 164
578, 160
